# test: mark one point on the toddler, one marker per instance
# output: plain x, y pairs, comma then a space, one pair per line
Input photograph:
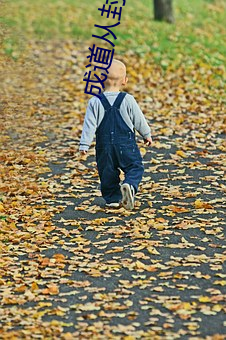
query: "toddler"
114, 120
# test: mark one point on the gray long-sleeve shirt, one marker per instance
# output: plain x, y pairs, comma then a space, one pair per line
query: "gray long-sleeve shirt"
129, 110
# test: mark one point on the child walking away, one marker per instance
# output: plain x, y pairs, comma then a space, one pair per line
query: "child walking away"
114, 120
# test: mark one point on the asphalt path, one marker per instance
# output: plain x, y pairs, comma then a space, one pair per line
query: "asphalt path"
154, 273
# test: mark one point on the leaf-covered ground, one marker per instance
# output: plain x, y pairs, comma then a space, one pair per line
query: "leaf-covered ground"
69, 268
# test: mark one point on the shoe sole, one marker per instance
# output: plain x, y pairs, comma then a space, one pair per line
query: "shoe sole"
113, 205
127, 196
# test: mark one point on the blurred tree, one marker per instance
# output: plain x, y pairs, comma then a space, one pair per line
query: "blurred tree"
163, 10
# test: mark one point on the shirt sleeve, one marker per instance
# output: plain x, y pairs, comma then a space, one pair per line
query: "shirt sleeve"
89, 128
139, 121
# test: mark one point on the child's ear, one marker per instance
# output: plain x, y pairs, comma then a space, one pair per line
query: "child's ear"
102, 77
125, 80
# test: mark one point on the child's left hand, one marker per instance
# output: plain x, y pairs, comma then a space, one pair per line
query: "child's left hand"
148, 141
83, 152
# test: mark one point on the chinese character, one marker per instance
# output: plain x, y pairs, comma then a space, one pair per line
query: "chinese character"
109, 11
109, 31
102, 56
115, 2
99, 80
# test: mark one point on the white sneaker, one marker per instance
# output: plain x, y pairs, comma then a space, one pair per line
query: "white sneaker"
113, 205
128, 194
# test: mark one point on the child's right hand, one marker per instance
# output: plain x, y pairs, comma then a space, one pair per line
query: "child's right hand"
148, 141
83, 152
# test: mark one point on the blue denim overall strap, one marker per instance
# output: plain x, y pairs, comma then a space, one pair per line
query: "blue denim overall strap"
105, 102
113, 128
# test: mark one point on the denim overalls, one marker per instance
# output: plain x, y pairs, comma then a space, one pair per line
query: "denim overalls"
116, 149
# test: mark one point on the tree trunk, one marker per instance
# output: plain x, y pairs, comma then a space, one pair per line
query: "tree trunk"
163, 10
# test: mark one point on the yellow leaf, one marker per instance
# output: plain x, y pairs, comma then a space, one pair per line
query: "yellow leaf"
160, 227
100, 221
158, 289
20, 289
204, 299
181, 153
59, 257
143, 151
1, 208
55, 323
217, 308
34, 286
187, 305
44, 304
53, 289
140, 265
12, 225
222, 282
193, 326
202, 205
153, 251
115, 250
155, 161
67, 336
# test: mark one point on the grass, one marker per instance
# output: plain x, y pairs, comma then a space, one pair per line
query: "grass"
198, 31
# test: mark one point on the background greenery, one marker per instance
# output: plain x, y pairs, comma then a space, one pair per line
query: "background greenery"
198, 32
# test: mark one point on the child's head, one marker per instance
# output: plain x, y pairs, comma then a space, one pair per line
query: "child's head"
117, 75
